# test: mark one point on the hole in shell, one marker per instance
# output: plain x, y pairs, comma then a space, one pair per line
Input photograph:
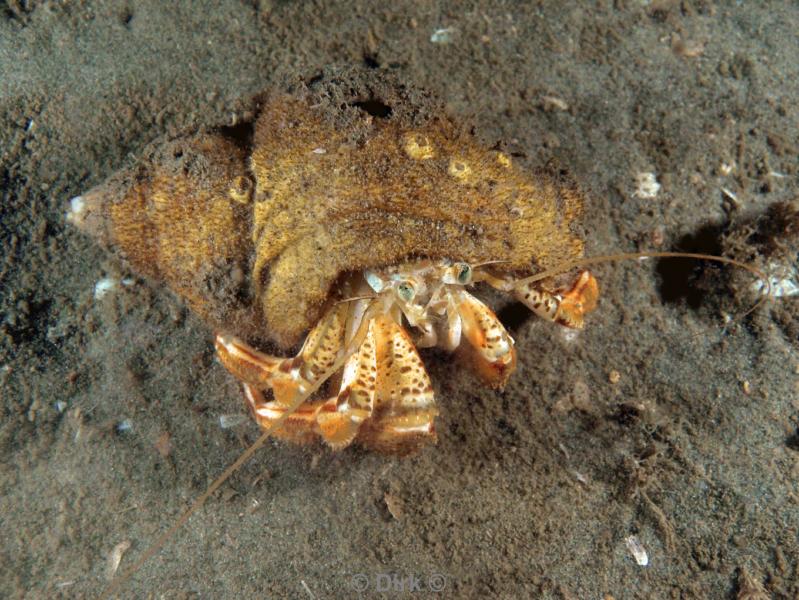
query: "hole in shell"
375, 107
240, 134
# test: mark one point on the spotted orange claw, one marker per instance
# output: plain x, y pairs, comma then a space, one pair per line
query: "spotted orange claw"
580, 300
490, 349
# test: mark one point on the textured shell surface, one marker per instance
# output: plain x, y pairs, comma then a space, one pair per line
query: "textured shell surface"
253, 225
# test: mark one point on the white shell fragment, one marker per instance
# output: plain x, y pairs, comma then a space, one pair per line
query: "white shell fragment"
102, 287
76, 207
443, 36
554, 103
569, 336
637, 550
115, 558
783, 282
647, 186
108, 284
229, 421
779, 287
730, 195
124, 426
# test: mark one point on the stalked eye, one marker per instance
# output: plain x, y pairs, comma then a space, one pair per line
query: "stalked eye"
464, 272
406, 291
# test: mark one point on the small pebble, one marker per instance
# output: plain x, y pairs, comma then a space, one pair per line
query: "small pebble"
647, 186
443, 36
229, 421
115, 558
102, 287
124, 426
637, 550
394, 505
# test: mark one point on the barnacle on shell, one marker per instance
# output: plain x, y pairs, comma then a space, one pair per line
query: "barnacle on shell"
253, 225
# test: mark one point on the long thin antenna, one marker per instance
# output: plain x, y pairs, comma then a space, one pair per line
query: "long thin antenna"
354, 298
197, 504
354, 343
488, 262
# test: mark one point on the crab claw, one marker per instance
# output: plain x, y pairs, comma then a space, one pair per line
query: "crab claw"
490, 348
567, 308
578, 301
386, 398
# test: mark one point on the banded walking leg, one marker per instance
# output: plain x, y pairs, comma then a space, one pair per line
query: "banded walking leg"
403, 417
568, 308
490, 349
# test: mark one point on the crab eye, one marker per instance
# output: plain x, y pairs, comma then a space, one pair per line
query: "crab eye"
464, 272
406, 291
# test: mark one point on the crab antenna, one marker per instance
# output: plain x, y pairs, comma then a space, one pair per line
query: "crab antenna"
354, 298
159, 543
593, 260
488, 262
198, 503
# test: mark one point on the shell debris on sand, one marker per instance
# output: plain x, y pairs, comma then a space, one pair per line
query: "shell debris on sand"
115, 557
637, 549
646, 186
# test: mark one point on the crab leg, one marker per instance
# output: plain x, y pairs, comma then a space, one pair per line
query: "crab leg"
340, 418
258, 371
566, 309
404, 411
287, 376
490, 346
386, 398
298, 427
341, 339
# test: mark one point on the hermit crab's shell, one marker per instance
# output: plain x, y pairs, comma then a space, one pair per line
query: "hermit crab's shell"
254, 227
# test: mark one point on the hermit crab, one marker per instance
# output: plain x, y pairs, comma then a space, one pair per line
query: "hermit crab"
351, 211
340, 225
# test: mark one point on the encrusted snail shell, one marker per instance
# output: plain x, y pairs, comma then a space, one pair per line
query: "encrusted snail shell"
253, 225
